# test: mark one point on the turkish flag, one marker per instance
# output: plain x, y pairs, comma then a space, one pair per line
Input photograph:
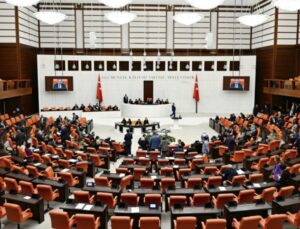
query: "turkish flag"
196, 96
99, 90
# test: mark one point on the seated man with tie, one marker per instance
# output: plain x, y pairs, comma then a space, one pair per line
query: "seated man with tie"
60, 85
236, 85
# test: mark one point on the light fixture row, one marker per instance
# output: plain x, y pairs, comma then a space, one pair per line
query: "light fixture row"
119, 17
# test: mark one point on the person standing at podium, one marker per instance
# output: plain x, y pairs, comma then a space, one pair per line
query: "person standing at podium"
173, 115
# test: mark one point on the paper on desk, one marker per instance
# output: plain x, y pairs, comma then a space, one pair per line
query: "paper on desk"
37, 164
176, 166
198, 156
122, 175
55, 156
135, 210
88, 207
65, 170
256, 185
72, 160
222, 188
27, 197
79, 206
153, 177
240, 172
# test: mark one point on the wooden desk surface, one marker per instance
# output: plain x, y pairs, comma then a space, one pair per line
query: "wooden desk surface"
19, 176
105, 189
224, 189
139, 210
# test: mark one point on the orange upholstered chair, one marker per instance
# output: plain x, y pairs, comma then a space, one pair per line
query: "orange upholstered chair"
138, 173
11, 184
69, 154
166, 170
123, 222
285, 192
238, 180
185, 222
83, 197
237, 157
215, 181
192, 182
118, 147
122, 170
64, 163
61, 220
2, 214
128, 161
294, 219
33, 171
214, 224
83, 165
144, 161
15, 214
223, 199
166, 182
125, 181
152, 199
149, 223
102, 181
181, 172
68, 177
211, 170
95, 158
222, 150
131, 199
49, 173
172, 200
251, 222
37, 157
84, 221
256, 178
267, 194
146, 183
246, 196
26, 188
200, 199
195, 162
107, 198
263, 161
141, 153
273, 221
46, 192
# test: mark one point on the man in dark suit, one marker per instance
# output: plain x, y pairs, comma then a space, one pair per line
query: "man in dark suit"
60, 85
173, 115
128, 142
229, 173
125, 98
154, 142
236, 85
20, 138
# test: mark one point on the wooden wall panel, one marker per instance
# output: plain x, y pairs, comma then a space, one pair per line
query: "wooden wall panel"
8, 63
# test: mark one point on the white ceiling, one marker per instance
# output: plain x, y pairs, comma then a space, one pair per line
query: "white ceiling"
162, 2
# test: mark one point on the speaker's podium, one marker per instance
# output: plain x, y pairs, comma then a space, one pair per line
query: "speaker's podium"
176, 122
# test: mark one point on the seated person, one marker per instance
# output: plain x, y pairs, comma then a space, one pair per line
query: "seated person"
229, 173
158, 101
167, 101
82, 107
130, 101
123, 121
285, 176
76, 107
115, 108
28, 151
138, 122
146, 121
179, 146
129, 122
136, 101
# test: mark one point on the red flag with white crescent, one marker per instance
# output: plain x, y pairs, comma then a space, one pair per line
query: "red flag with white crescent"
196, 96
99, 90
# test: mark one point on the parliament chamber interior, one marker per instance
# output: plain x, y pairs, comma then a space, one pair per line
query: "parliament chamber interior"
150, 114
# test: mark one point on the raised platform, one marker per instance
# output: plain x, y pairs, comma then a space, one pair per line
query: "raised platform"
88, 115
149, 111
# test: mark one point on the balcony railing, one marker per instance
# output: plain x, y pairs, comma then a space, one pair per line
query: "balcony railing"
15, 88
290, 88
